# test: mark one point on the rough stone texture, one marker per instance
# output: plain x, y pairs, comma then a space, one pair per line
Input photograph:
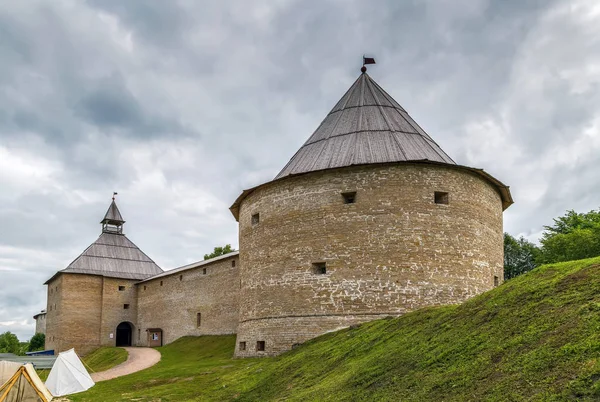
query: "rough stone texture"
74, 313
173, 307
40, 324
83, 310
113, 311
394, 250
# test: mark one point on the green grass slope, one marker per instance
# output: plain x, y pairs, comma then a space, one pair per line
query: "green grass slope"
99, 360
104, 358
536, 337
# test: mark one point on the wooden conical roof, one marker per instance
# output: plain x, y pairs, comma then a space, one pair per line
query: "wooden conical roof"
366, 126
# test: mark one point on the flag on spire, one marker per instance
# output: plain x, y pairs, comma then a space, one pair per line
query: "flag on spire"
368, 60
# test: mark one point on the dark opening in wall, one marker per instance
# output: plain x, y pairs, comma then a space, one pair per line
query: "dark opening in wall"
180, 277
121, 288
349, 197
496, 280
126, 306
441, 197
255, 219
233, 263
198, 319
144, 287
260, 346
160, 283
320, 268
203, 271
242, 346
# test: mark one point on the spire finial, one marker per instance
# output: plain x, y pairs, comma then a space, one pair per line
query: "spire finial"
366, 60
114, 194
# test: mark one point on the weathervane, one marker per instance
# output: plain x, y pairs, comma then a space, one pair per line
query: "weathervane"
366, 60
114, 194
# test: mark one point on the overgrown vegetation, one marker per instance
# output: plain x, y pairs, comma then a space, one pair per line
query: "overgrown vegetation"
37, 342
226, 249
520, 256
536, 337
573, 236
9, 343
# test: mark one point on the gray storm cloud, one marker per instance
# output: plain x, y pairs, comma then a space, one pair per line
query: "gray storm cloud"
179, 106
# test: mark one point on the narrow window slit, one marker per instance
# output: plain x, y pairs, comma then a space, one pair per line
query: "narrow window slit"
441, 197
320, 268
349, 197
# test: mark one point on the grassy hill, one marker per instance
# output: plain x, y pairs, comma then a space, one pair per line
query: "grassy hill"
99, 360
536, 337
105, 358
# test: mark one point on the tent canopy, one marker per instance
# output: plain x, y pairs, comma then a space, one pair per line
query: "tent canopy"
68, 376
20, 383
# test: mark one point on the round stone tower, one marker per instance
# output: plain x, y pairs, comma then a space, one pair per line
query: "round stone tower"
370, 218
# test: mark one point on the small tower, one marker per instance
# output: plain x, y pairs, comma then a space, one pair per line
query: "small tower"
93, 301
113, 221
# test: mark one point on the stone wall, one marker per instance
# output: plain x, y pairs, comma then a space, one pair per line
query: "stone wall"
172, 302
40, 324
73, 313
84, 310
391, 251
114, 311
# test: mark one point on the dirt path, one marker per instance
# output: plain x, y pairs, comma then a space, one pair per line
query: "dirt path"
138, 359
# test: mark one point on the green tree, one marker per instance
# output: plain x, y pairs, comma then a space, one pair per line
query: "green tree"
519, 256
9, 343
219, 251
37, 342
572, 237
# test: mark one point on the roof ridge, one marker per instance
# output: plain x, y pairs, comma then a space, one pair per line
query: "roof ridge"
114, 258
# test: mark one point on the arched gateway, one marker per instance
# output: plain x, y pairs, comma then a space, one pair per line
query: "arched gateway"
124, 334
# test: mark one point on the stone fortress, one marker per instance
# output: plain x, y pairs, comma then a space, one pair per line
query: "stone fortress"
370, 218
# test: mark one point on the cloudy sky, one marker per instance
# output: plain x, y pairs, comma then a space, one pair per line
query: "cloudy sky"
180, 105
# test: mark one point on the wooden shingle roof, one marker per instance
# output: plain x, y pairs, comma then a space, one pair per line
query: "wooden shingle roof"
366, 126
113, 255
113, 215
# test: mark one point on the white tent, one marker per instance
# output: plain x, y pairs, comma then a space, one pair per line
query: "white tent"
68, 376
20, 383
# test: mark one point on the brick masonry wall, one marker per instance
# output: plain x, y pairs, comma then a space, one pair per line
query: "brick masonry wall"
83, 310
394, 250
173, 307
74, 313
113, 311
